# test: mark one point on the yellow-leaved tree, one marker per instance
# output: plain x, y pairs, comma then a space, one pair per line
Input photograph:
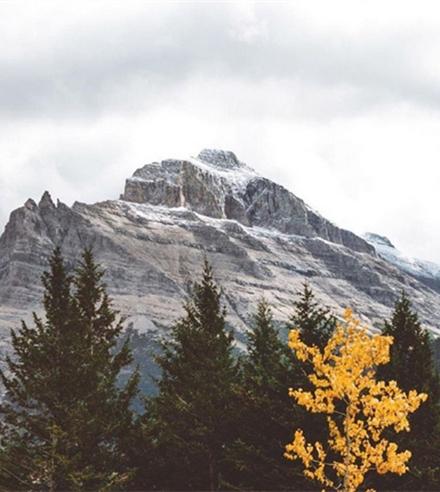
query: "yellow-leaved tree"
358, 408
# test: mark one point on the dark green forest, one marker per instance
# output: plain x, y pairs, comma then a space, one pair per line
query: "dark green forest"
197, 413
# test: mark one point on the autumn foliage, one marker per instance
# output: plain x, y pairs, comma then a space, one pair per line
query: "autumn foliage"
358, 407
220, 417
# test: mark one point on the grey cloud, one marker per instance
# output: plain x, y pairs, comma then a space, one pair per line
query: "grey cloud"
137, 63
340, 117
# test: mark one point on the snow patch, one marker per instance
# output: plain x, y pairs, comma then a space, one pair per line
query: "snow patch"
236, 178
409, 264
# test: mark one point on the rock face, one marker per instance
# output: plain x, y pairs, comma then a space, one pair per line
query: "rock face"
426, 272
260, 238
217, 185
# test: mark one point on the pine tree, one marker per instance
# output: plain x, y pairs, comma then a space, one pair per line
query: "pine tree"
315, 323
267, 412
36, 373
64, 419
435, 344
412, 366
191, 420
266, 353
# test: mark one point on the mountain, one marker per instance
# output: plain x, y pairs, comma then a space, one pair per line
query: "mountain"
260, 238
426, 272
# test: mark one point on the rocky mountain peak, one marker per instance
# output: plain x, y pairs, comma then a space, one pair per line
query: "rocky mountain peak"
261, 239
377, 239
216, 184
220, 158
46, 201
426, 272
30, 204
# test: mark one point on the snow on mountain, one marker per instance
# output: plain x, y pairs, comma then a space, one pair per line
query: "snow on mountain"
261, 239
426, 271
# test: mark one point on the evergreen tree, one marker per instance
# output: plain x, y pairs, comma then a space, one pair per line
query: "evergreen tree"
191, 420
315, 323
266, 353
435, 344
267, 414
64, 419
412, 366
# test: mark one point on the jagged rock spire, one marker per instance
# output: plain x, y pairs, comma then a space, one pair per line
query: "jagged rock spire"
30, 204
46, 200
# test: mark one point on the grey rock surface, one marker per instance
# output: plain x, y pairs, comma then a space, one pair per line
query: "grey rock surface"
261, 239
426, 272
218, 185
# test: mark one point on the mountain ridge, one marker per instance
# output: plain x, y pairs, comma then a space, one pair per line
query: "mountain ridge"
261, 239
217, 184
425, 271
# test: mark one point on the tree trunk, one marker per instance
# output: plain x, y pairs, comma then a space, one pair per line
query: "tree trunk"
346, 485
213, 474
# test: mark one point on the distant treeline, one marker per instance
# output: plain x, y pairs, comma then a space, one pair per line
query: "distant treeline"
220, 418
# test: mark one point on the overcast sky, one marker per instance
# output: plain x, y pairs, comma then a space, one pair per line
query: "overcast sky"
339, 101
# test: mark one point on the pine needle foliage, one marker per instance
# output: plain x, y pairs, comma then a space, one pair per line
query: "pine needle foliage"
192, 418
315, 323
267, 412
64, 419
412, 366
